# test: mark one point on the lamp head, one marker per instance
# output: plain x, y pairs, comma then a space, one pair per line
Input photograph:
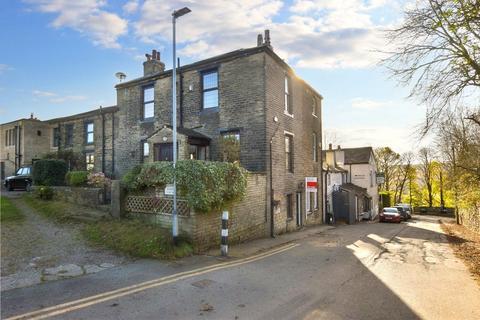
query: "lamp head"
181, 12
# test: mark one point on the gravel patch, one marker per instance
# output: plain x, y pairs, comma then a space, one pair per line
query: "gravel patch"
34, 248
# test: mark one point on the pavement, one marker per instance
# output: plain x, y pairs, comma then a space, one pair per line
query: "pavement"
363, 271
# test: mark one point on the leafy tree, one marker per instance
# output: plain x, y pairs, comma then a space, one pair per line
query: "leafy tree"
425, 156
386, 160
74, 160
437, 52
402, 170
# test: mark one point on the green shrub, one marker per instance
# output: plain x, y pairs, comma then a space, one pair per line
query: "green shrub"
49, 172
207, 186
76, 178
44, 193
129, 179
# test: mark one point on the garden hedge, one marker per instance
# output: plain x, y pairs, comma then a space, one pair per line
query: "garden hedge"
207, 186
49, 172
76, 178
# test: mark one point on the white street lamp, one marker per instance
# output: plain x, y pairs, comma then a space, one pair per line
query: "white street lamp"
176, 14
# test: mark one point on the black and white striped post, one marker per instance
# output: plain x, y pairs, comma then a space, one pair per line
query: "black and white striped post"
224, 245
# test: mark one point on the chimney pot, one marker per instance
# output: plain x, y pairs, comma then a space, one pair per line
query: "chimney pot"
259, 40
338, 147
267, 37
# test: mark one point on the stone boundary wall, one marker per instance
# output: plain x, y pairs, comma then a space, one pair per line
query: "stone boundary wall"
247, 219
470, 218
88, 197
436, 211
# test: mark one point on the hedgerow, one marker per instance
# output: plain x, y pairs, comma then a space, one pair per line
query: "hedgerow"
207, 186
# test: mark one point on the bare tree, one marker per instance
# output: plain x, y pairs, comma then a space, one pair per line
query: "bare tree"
426, 158
437, 52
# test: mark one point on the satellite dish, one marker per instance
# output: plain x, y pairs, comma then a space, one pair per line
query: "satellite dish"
121, 76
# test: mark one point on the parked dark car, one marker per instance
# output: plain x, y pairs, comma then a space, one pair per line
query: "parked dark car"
21, 180
407, 208
390, 214
403, 212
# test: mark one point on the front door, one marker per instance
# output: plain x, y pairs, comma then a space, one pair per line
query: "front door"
298, 208
163, 152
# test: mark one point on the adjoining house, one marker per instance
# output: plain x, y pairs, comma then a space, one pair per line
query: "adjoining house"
24, 140
351, 191
247, 105
90, 134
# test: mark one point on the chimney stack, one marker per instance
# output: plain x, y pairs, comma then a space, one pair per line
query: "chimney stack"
153, 64
267, 38
338, 147
264, 40
259, 40
329, 146
31, 115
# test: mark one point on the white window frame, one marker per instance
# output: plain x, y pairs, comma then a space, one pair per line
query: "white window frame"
287, 97
149, 103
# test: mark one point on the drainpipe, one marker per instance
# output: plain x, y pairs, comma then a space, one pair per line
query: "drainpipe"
103, 139
272, 224
180, 100
272, 215
113, 145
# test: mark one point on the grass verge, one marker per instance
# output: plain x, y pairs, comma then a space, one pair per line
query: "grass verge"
136, 239
126, 236
466, 245
8, 211
52, 209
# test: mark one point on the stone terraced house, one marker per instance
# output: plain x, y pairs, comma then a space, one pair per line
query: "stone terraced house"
246, 105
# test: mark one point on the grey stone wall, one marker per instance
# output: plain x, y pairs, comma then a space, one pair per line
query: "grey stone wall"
247, 219
301, 125
88, 197
241, 107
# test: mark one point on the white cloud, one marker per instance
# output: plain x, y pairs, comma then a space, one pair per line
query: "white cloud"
42, 94
368, 104
86, 16
57, 98
216, 21
327, 34
4, 67
130, 7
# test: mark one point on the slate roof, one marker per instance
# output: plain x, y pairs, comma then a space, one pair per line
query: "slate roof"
191, 133
354, 187
357, 155
85, 114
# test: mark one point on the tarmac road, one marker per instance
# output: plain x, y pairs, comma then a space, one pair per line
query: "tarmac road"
363, 271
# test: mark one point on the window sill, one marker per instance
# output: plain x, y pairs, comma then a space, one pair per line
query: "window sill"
285, 112
313, 114
147, 120
209, 110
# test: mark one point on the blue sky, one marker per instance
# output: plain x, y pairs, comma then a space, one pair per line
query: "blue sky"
59, 57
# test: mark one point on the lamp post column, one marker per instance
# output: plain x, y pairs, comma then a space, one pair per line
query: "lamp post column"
174, 125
